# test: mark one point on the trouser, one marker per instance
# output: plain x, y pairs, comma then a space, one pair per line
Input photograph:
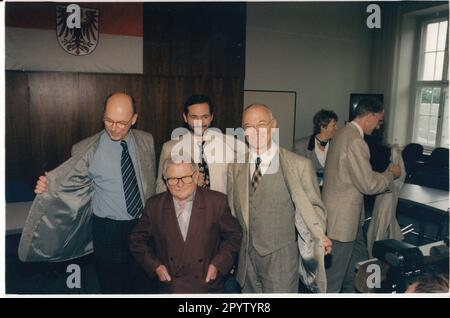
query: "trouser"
115, 266
273, 273
344, 257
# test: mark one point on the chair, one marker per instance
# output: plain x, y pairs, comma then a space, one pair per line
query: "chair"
412, 155
438, 158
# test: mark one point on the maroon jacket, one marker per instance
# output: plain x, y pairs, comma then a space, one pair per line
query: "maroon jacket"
214, 237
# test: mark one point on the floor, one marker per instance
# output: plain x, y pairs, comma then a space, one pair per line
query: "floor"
50, 278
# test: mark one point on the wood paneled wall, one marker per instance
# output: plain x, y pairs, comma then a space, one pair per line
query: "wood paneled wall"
188, 49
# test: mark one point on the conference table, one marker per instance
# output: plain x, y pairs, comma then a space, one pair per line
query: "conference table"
427, 205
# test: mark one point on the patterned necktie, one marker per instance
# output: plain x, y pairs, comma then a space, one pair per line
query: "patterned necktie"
130, 186
257, 175
203, 168
181, 210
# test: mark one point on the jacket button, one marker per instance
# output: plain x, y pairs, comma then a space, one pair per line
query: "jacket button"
171, 259
200, 260
177, 276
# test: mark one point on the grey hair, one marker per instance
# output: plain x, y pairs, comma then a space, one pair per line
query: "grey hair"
170, 161
260, 106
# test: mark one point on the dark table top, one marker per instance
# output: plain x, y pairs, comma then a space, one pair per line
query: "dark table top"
428, 197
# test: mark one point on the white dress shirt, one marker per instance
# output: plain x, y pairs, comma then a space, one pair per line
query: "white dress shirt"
266, 160
183, 210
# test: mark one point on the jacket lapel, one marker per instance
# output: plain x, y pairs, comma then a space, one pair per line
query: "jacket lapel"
172, 225
142, 160
242, 183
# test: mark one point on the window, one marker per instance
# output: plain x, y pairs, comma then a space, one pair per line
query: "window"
430, 127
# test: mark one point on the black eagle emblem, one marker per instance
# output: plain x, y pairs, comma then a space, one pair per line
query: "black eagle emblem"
77, 41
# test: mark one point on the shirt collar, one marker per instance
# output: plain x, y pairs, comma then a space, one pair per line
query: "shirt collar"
182, 202
361, 132
266, 157
105, 136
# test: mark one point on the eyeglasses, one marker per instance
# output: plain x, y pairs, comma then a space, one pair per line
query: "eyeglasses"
121, 124
185, 179
258, 126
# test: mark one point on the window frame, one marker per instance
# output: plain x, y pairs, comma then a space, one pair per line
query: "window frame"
418, 85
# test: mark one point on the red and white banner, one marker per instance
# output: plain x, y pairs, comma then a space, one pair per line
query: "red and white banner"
109, 39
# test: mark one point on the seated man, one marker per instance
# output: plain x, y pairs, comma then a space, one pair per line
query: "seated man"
196, 239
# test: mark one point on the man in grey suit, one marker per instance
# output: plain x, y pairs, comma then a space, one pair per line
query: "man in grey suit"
348, 176
275, 197
94, 199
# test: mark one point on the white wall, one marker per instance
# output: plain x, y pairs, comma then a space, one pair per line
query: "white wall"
320, 50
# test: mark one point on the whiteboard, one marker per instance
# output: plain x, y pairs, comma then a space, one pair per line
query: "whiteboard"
283, 106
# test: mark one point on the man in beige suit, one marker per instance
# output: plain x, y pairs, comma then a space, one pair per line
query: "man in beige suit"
206, 146
348, 176
275, 197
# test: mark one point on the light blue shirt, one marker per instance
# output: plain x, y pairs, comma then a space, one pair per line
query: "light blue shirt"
105, 170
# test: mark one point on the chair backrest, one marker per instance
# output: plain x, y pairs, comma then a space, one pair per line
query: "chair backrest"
439, 158
412, 152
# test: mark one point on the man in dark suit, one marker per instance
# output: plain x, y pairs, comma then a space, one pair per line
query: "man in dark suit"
195, 238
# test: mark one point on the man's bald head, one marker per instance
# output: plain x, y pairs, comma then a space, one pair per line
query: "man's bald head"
259, 107
258, 123
120, 97
119, 115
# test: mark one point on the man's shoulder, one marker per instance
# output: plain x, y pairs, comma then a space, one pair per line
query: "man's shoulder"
302, 141
348, 131
144, 135
213, 194
171, 143
85, 143
156, 199
293, 157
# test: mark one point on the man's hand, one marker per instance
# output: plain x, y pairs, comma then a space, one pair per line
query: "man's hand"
327, 244
212, 273
41, 185
395, 170
163, 274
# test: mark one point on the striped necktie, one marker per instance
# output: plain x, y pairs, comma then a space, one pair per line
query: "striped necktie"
257, 175
203, 167
130, 186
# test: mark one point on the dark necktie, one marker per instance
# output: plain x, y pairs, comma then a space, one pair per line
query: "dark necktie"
257, 175
203, 168
130, 186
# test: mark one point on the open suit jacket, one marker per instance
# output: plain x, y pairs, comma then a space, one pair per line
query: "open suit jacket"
348, 176
310, 215
213, 237
58, 227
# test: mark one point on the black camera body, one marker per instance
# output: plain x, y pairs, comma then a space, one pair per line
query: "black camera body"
406, 263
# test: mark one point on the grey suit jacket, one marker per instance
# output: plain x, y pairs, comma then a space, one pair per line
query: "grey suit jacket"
348, 176
310, 215
58, 227
305, 147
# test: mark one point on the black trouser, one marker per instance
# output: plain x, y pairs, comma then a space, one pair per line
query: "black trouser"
115, 266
